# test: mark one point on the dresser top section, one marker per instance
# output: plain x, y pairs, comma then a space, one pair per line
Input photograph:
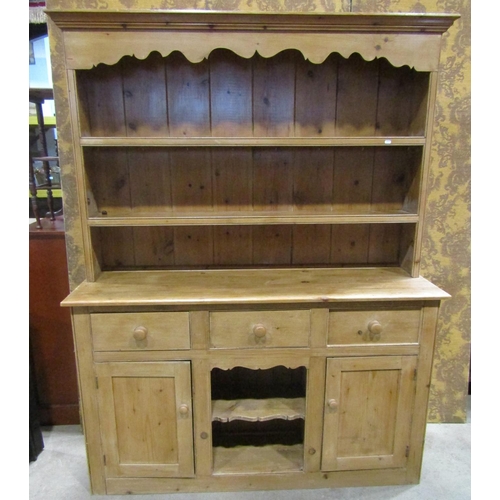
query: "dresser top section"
92, 37
258, 286
201, 20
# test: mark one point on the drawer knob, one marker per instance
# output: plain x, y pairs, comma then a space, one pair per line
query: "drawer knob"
183, 409
333, 404
140, 333
259, 331
375, 329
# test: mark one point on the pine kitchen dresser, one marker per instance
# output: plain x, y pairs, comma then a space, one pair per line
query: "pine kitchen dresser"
244, 198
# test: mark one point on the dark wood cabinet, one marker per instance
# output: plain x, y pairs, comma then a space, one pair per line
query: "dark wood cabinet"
51, 338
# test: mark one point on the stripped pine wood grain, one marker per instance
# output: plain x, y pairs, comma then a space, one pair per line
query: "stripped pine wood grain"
258, 410
266, 459
252, 287
188, 92
145, 99
250, 192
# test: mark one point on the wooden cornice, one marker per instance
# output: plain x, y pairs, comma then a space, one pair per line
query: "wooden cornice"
207, 21
94, 37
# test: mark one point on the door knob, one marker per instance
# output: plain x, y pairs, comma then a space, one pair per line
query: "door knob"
333, 405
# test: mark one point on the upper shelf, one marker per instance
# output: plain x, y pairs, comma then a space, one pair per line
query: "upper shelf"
254, 218
251, 141
93, 37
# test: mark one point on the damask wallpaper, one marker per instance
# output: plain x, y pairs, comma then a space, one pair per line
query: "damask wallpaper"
446, 252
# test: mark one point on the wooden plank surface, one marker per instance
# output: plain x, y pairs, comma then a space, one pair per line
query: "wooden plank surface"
274, 95
232, 178
262, 459
251, 287
203, 140
199, 218
230, 94
313, 175
402, 100
256, 482
357, 89
316, 98
258, 410
144, 96
188, 91
103, 95
192, 246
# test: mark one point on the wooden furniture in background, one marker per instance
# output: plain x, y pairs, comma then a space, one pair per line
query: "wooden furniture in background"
251, 195
38, 97
51, 338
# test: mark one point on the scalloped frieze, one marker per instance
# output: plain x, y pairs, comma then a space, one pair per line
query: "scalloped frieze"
260, 363
85, 50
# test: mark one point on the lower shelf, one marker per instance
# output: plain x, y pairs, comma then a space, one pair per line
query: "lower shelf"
258, 459
258, 410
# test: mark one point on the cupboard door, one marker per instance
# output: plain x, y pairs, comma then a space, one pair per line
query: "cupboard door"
146, 419
368, 406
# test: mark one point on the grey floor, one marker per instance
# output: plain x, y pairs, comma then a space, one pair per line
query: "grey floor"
60, 472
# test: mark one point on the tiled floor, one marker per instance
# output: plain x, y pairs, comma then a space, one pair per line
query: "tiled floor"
60, 472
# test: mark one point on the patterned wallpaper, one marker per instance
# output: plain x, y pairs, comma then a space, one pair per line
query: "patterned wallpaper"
446, 252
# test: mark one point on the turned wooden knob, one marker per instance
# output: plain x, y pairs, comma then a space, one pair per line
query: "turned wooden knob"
140, 333
333, 404
375, 329
183, 409
259, 331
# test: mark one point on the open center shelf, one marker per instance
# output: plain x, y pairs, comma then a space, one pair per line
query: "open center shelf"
261, 427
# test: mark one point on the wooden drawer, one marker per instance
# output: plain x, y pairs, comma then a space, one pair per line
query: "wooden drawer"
140, 331
382, 326
259, 329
